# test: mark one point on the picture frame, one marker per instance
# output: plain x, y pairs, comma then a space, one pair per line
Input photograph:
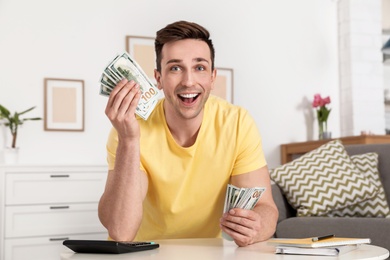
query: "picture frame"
142, 50
64, 104
224, 84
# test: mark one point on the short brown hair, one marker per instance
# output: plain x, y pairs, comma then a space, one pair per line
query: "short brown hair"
181, 30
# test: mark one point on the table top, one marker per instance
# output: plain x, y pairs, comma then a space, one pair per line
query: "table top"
217, 248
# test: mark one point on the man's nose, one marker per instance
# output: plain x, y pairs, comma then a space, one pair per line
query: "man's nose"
188, 79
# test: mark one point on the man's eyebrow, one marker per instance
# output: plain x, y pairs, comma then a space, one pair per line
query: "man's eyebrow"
173, 61
201, 60
195, 59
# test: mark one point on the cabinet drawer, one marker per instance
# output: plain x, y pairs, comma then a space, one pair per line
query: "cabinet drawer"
46, 220
23, 188
42, 248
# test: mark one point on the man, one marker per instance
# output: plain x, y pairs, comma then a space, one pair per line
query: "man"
168, 175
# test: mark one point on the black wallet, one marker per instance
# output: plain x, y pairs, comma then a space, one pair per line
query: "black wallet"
107, 246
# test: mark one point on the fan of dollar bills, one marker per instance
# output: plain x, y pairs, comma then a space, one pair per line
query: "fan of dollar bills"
244, 198
124, 66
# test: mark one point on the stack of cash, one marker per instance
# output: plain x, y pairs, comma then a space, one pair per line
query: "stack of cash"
244, 198
124, 66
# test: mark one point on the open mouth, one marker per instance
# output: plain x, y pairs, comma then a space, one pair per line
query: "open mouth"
188, 98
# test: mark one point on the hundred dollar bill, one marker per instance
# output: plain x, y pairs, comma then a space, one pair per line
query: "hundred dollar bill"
245, 198
106, 81
123, 66
251, 198
128, 68
104, 90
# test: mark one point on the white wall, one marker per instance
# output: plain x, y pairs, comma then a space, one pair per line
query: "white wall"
282, 52
361, 67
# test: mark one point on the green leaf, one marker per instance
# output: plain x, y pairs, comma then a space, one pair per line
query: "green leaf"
32, 119
4, 113
31, 108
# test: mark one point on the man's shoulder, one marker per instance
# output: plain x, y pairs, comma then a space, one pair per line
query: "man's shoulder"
218, 106
219, 103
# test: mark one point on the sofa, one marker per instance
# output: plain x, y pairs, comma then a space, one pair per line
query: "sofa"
377, 229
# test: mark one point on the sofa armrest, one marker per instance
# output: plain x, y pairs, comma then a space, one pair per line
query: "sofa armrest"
285, 209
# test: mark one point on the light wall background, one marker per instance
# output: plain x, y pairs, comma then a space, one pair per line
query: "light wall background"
282, 52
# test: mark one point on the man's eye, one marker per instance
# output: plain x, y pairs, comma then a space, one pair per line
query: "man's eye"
201, 68
175, 68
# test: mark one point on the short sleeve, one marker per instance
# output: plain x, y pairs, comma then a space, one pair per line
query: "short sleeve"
250, 155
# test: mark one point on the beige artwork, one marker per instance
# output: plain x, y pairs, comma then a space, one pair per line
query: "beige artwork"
64, 105
144, 55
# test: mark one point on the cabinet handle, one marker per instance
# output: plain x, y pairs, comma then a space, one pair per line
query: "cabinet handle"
59, 176
59, 207
58, 239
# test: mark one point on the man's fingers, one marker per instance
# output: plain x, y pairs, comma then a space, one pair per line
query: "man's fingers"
243, 213
241, 239
114, 92
133, 97
121, 99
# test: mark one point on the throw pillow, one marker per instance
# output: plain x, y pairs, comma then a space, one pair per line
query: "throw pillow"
377, 206
322, 180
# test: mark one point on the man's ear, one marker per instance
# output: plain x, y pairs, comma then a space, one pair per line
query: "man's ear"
157, 76
213, 78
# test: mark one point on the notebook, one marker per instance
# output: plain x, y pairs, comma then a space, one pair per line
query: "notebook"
324, 251
307, 242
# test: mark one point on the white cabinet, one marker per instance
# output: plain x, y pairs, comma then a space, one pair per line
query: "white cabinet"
40, 206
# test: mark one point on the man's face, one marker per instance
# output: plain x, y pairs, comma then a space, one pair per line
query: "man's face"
186, 77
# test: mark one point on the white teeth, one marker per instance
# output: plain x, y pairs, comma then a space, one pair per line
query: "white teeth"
188, 95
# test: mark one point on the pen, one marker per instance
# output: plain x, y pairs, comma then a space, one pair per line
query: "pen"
314, 239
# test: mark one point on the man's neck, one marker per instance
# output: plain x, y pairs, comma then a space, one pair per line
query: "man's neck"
184, 131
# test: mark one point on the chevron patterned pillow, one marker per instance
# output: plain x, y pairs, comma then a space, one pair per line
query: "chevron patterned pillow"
377, 206
322, 180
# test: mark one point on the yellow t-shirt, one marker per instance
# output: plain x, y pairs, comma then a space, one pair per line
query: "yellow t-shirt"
187, 186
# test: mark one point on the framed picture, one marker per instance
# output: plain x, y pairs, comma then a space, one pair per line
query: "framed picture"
142, 50
223, 86
64, 104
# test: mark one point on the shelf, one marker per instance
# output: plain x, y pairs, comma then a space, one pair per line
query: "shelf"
288, 151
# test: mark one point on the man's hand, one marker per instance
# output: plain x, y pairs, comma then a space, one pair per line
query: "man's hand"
121, 108
243, 225
259, 224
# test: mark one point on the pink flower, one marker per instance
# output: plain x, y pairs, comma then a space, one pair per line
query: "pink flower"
319, 101
326, 101
322, 111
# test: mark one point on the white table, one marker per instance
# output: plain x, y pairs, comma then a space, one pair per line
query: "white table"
216, 248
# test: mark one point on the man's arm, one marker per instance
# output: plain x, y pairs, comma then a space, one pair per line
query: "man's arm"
120, 207
250, 226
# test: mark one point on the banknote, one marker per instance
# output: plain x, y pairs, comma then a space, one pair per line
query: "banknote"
244, 198
124, 66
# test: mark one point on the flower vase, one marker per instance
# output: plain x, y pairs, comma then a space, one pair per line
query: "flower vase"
320, 130
322, 133
327, 135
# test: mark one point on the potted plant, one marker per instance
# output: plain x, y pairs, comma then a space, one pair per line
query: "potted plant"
14, 121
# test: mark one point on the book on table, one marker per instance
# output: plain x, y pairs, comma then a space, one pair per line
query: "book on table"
309, 243
322, 251
330, 246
